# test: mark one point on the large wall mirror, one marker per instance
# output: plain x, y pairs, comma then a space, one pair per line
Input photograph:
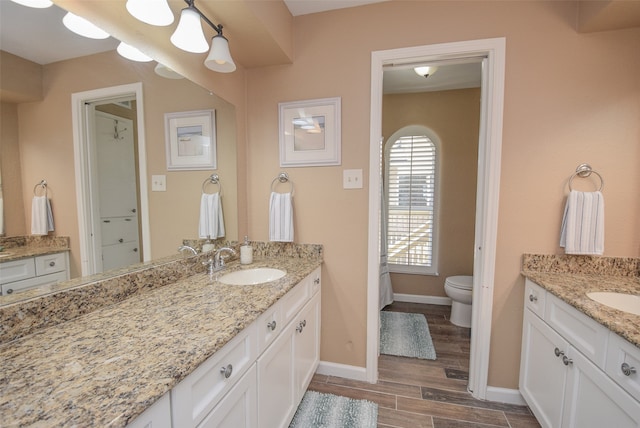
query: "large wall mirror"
38, 143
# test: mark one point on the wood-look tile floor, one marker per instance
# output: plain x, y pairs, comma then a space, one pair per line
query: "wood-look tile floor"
413, 393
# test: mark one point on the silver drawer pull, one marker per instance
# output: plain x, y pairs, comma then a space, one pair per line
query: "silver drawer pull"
300, 327
272, 325
316, 281
533, 298
558, 352
52, 264
566, 361
10, 291
226, 371
627, 370
121, 240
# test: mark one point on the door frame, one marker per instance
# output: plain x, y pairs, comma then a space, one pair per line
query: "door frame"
487, 195
84, 168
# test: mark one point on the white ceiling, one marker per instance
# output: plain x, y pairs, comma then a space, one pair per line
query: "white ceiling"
39, 36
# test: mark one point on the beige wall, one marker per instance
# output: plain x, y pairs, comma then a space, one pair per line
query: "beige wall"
11, 173
569, 98
46, 148
454, 117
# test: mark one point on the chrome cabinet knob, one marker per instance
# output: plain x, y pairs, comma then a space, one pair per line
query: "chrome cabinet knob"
558, 352
300, 327
226, 371
316, 281
533, 298
272, 325
10, 291
627, 370
566, 361
52, 264
121, 240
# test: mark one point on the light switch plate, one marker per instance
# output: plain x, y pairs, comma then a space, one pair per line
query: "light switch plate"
352, 179
158, 183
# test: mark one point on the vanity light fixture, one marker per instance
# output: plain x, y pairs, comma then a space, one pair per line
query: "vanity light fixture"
153, 12
83, 27
189, 37
129, 52
38, 4
425, 71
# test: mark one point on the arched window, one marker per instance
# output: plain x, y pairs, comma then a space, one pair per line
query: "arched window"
411, 163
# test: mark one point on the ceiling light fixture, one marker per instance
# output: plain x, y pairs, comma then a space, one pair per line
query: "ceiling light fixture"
129, 52
83, 27
189, 37
153, 12
425, 71
38, 4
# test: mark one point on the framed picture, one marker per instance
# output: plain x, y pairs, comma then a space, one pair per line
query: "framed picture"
191, 140
310, 133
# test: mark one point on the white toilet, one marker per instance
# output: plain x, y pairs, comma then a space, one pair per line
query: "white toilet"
459, 289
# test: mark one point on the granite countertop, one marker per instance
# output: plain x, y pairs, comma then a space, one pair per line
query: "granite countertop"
106, 367
570, 278
17, 253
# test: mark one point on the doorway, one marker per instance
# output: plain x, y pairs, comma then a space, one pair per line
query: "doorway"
97, 207
493, 53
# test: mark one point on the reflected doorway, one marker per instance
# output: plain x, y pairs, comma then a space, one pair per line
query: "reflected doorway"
111, 185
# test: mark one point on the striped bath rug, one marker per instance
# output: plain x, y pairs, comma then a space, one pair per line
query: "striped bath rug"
320, 410
405, 335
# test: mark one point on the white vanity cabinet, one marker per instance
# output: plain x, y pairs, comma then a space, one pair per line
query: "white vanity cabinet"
562, 368
156, 416
30, 272
270, 364
288, 364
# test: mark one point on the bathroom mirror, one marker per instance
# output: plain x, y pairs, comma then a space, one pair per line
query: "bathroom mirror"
45, 140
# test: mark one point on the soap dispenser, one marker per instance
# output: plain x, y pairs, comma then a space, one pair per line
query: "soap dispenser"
246, 252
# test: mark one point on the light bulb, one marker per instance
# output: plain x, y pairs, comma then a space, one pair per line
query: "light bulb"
83, 27
153, 12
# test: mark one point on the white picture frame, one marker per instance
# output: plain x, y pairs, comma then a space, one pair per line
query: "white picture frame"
310, 133
190, 138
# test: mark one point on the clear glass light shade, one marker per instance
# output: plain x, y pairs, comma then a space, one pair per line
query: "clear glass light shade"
219, 58
153, 12
164, 71
38, 4
129, 52
188, 35
83, 27
425, 71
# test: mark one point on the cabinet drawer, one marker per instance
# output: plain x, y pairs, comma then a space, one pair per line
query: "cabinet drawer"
194, 397
36, 281
115, 256
315, 281
295, 299
118, 230
17, 270
619, 353
534, 298
269, 326
51, 263
582, 332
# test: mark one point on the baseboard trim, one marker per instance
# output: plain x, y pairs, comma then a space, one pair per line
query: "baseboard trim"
416, 298
342, 370
505, 395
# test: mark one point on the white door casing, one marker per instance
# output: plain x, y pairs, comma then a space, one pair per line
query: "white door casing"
488, 188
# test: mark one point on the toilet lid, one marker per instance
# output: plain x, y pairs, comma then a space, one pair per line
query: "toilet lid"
463, 282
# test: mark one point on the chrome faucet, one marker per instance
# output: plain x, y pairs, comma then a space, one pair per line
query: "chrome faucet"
186, 247
216, 263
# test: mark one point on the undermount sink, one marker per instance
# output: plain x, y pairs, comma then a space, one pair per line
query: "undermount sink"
252, 276
621, 301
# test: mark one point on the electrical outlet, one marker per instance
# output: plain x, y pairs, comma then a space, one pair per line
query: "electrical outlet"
158, 183
352, 179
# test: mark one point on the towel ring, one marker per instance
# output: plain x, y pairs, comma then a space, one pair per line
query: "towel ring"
43, 186
283, 177
583, 171
213, 179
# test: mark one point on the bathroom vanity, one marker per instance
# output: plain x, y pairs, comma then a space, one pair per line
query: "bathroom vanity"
195, 352
579, 358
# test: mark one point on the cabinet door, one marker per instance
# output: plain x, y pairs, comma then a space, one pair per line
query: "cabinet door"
592, 399
542, 373
238, 409
115, 256
306, 346
156, 416
276, 403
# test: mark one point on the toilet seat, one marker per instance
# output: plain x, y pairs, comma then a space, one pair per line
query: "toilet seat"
461, 282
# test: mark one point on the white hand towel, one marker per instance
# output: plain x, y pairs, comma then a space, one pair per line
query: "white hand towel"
583, 224
281, 217
211, 223
39, 215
